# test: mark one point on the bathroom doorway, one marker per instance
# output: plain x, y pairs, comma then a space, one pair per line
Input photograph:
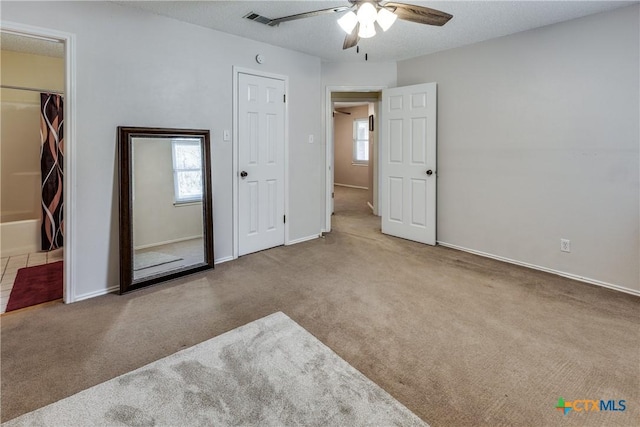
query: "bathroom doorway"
32, 148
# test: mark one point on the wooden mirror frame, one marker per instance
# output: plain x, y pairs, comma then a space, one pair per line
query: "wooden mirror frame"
125, 137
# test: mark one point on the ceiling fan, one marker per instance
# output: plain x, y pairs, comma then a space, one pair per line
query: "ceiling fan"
361, 17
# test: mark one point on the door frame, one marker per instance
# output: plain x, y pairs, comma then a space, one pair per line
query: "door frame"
69, 179
235, 167
329, 148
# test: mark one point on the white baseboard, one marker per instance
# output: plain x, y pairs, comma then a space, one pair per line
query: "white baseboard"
167, 242
370, 206
95, 294
302, 239
545, 269
351, 186
221, 260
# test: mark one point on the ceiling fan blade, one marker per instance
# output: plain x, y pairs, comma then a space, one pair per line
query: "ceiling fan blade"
419, 14
277, 21
352, 39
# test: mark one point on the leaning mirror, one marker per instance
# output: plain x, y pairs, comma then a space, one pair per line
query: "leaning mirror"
166, 223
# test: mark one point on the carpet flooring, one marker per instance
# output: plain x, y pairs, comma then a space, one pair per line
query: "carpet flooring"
35, 285
458, 339
270, 372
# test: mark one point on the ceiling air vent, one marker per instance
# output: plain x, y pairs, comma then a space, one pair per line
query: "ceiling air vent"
258, 18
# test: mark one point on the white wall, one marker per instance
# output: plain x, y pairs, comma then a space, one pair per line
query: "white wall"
359, 74
538, 140
139, 69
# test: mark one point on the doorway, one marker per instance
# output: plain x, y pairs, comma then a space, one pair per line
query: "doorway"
353, 136
36, 259
405, 167
352, 148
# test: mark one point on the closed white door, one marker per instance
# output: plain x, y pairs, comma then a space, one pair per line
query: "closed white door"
261, 122
408, 162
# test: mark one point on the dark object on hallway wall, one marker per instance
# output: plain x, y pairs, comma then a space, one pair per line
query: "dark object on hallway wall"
371, 123
35, 285
52, 170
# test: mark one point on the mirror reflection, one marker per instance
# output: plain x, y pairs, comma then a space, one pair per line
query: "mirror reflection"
167, 204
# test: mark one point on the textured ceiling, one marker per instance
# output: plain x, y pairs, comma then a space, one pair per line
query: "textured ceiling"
473, 21
16, 43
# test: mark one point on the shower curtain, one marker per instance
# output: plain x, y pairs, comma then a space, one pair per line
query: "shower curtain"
51, 165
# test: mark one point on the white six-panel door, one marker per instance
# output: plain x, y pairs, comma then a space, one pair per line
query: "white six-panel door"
408, 162
261, 126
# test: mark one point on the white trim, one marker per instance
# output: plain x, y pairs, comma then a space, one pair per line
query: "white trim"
303, 239
167, 242
545, 269
69, 183
110, 290
224, 259
351, 186
370, 206
234, 166
328, 126
234, 163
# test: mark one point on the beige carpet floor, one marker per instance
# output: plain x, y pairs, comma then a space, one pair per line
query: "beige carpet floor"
267, 373
458, 339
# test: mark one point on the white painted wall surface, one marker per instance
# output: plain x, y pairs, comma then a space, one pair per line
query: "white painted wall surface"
140, 69
359, 73
538, 141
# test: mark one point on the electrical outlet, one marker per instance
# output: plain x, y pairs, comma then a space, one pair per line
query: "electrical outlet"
565, 245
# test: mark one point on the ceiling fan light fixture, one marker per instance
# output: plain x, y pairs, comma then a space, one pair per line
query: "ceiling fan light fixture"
348, 22
367, 14
386, 18
367, 31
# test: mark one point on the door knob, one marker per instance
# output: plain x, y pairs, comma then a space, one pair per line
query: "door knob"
243, 174
429, 172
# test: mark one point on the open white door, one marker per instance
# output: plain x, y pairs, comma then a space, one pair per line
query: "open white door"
408, 162
261, 163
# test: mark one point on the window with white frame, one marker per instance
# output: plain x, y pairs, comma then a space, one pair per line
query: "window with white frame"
187, 169
361, 142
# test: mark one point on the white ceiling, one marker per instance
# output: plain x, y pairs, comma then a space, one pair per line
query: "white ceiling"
472, 21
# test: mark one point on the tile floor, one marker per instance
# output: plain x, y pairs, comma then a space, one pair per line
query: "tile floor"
9, 267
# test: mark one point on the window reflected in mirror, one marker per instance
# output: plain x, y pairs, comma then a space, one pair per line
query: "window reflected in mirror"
187, 170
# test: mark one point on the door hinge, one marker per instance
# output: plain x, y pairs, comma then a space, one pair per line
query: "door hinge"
284, 97
284, 219
333, 195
